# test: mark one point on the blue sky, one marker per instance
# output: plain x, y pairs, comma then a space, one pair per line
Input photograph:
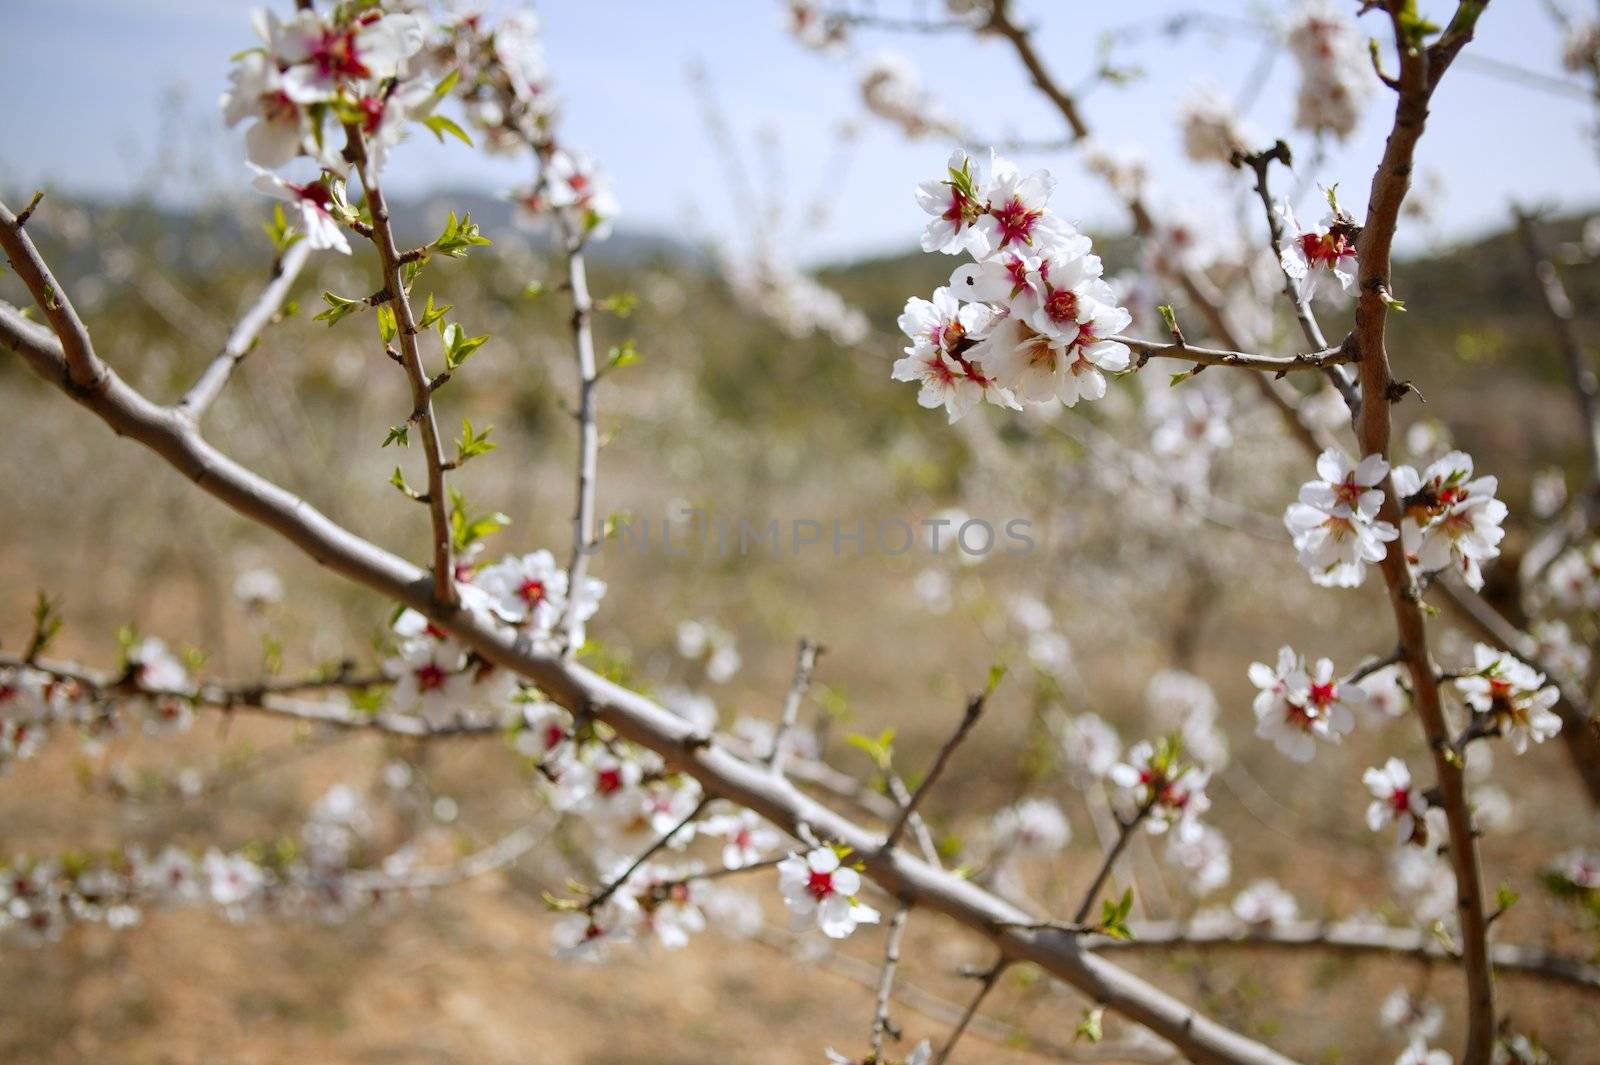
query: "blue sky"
86, 81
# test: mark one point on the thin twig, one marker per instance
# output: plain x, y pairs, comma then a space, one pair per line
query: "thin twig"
1324, 358
1125, 831
599, 898
1350, 938
968, 719
891, 960
444, 581
805, 662
241, 340
986, 985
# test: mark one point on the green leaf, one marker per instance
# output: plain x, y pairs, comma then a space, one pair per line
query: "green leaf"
432, 314
280, 232
1169, 316
880, 748
466, 530
471, 445
997, 673
1179, 378
388, 328
459, 236
1091, 1028
1390, 302
398, 434
1505, 898
622, 304
339, 308
440, 125
533, 290
458, 347
446, 83
1114, 917
398, 479
623, 354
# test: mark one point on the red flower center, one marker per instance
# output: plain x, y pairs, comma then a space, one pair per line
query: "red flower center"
1400, 800
1322, 695
1015, 220
820, 885
430, 677
1062, 306
335, 55
532, 592
608, 781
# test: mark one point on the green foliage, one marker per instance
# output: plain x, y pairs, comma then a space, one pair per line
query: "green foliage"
1114, 917
280, 232
621, 355
459, 237
1091, 1028
399, 434
879, 748
467, 529
458, 347
622, 304
339, 308
472, 445
439, 125
388, 328
431, 314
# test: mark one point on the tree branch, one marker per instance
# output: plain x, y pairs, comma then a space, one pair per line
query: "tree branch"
242, 339
968, 719
635, 718
444, 577
891, 961
805, 662
1420, 70
1350, 938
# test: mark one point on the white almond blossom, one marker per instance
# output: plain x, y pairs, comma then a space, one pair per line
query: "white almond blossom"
313, 202
1452, 521
746, 837
821, 892
1513, 695
1335, 521
1335, 74
1265, 902
1032, 826
1396, 800
1153, 777
1296, 705
1310, 253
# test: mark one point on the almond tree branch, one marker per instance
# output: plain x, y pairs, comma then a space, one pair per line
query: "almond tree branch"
81, 369
585, 536
635, 718
1260, 163
599, 898
1420, 70
908, 810
444, 582
891, 961
242, 339
1125, 831
1003, 24
1558, 306
1351, 938
991, 976
1324, 358
805, 662
269, 698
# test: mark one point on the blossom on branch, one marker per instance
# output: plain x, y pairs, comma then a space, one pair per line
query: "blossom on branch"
1335, 522
1452, 520
1396, 800
1512, 696
821, 892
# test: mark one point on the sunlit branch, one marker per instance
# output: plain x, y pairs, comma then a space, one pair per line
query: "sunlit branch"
444, 582
242, 338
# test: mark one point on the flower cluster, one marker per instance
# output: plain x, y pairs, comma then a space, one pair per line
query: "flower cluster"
1031, 319
891, 90
1511, 696
1298, 705
1451, 519
1335, 75
1212, 132
1155, 780
1335, 522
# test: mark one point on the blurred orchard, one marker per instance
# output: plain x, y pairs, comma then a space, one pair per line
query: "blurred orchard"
489, 634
